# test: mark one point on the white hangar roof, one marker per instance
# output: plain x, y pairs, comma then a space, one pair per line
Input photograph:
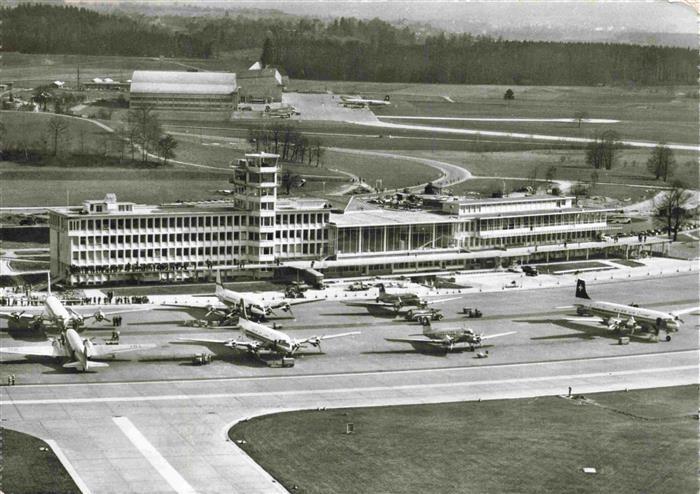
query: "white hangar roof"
174, 82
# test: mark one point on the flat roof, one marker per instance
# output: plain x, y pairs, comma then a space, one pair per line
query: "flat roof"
173, 82
500, 200
376, 217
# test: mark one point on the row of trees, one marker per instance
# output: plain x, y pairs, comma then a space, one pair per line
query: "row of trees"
287, 141
601, 153
143, 131
347, 49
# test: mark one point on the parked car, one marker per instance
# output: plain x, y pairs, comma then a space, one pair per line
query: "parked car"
423, 315
358, 286
530, 270
471, 312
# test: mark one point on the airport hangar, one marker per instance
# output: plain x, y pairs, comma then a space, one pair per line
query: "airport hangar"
204, 95
256, 233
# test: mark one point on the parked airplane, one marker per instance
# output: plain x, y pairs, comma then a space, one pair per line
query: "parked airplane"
629, 318
58, 315
256, 308
359, 102
263, 337
70, 345
446, 340
398, 300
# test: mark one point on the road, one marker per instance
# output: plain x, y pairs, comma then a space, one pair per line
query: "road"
153, 422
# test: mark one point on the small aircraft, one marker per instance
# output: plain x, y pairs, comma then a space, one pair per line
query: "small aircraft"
58, 315
70, 345
262, 337
628, 318
359, 102
447, 340
232, 301
397, 301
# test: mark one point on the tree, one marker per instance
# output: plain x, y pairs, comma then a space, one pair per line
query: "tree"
661, 162
550, 173
145, 127
594, 180
509, 95
580, 116
56, 127
166, 146
601, 151
267, 56
290, 180
3, 133
673, 208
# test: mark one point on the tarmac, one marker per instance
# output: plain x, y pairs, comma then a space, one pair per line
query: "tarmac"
152, 422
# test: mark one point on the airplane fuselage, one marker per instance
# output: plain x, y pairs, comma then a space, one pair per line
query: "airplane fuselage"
647, 318
58, 314
270, 338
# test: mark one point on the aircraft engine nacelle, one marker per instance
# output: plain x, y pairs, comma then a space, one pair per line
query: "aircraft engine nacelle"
257, 311
99, 316
16, 316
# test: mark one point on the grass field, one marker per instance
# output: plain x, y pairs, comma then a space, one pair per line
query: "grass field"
640, 441
30, 70
654, 113
27, 469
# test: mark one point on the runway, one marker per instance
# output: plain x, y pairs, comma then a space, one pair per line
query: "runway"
154, 423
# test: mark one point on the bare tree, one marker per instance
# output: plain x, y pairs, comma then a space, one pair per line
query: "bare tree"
672, 208
661, 163
166, 147
580, 115
56, 128
319, 151
146, 127
550, 173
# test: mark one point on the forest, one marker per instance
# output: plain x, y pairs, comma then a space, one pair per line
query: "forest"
347, 48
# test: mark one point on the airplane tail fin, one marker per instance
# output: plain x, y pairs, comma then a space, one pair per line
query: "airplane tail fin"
219, 284
581, 289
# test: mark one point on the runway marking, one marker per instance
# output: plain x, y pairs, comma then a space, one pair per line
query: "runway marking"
359, 373
180, 397
84, 489
151, 454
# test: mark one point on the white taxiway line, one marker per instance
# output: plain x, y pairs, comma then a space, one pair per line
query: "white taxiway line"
365, 373
164, 468
487, 119
406, 387
68, 466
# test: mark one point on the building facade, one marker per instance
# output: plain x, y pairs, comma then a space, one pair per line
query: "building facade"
261, 85
214, 93
109, 241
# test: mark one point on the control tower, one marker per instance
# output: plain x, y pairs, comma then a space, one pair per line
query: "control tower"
255, 191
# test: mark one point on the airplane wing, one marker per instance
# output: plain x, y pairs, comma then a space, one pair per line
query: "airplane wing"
114, 313
331, 336
441, 300
100, 350
421, 343
230, 343
299, 301
486, 337
22, 314
688, 310
46, 349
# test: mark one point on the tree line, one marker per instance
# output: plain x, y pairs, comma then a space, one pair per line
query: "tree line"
347, 48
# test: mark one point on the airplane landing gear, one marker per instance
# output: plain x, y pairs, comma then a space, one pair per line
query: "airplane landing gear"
668, 337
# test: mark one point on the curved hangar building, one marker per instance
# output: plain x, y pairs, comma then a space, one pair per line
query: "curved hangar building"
109, 241
215, 93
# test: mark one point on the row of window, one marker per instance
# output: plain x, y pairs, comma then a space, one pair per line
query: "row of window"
194, 221
159, 238
149, 254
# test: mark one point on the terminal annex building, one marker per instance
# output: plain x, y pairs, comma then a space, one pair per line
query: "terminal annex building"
106, 241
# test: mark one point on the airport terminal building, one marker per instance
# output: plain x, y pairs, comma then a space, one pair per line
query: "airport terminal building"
107, 241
